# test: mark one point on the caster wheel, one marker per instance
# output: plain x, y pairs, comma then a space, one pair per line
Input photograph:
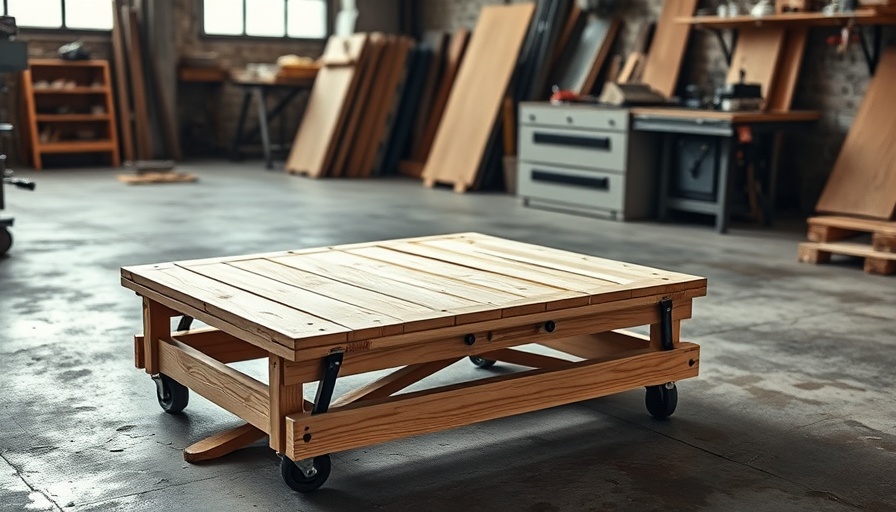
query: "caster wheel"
5, 241
661, 400
173, 396
303, 477
482, 363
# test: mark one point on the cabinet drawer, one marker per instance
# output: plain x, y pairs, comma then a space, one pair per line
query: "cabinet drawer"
578, 148
570, 116
587, 188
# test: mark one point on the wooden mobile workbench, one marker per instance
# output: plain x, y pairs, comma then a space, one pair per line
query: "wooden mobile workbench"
418, 305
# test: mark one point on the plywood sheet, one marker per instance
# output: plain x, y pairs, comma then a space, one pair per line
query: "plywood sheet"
781, 95
477, 95
586, 54
863, 181
757, 55
669, 44
315, 143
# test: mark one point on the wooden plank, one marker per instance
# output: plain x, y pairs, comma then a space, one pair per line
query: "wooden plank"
362, 323
370, 107
285, 399
846, 249
756, 54
122, 89
448, 407
139, 352
663, 62
418, 347
138, 84
279, 323
789, 64
147, 178
863, 181
367, 72
156, 327
853, 224
474, 104
593, 346
454, 57
410, 313
219, 345
222, 443
523, 358
234, 391
393, 383
325, 113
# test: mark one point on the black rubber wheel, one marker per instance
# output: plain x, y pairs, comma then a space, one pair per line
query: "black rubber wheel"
5, 240
481, 362
661, 400
298, 481
173, 396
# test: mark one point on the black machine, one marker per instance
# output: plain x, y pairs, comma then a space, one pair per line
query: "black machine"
13, 58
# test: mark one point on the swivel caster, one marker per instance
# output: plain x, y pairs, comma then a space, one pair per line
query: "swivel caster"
5, 240
661, 400
173, 396
481, 362
305, 475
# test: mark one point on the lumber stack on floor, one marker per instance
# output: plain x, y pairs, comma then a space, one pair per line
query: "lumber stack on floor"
831, 235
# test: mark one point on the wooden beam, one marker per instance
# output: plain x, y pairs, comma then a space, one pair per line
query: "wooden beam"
393, 383
442, 408
230, 389
219, 345
222, 443
522, 358
156, 327
284, 399
593, 346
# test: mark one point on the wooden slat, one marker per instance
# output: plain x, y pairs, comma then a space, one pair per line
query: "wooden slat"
219, 345
447, 407
325, 113
592, 346
853, 224
226, 387
474, 103
122, 89
413, 348
863, 181
747, 116
138, 84
392, 383
412, 314
456, 51
361, 322
789, 64
670, 40
848, 249
222, 443
273, 320
523, 358
757, 54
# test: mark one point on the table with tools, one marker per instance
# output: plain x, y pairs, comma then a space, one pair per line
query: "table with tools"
713, 193
416, 306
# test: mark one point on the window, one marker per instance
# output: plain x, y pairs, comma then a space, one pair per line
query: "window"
60, 14
300, 19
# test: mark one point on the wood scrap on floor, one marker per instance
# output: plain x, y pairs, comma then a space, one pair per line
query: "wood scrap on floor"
467, 127
863, 181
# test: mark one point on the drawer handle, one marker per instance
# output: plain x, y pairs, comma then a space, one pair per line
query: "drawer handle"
602, 143
565, 179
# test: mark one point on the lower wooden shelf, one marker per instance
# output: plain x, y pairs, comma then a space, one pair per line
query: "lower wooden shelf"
77, 146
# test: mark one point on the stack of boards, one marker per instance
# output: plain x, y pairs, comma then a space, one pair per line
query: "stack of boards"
860, 194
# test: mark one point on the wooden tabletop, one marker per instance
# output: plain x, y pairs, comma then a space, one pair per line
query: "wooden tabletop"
314, 297
747, 116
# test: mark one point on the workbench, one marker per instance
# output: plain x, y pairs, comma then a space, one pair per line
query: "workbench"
724, 126
415, 306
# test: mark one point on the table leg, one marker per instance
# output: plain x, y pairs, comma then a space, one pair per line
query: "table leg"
240, 125
665, 177
777, 145
284, 400
258, 94
156, 326
723, 194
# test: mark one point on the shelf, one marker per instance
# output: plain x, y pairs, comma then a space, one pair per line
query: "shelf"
73, 90
44, 118
77, 146
801, 19
57, 63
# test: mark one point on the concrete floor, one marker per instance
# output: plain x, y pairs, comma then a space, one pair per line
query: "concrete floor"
794, 409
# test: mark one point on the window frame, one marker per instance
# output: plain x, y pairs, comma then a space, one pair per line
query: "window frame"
63, 29
284, 38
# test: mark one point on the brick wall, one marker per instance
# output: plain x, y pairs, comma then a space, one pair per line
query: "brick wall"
831, 83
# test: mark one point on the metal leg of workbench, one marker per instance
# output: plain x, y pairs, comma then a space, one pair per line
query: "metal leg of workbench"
258, 94
723, 194
665, 176
240, 124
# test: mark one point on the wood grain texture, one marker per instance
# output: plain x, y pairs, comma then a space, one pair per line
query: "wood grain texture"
863, 181
226, 387
474, 104
325, 113
787, 75
219, 345
138, 83
756, 54
122, 88
223, 443
448, 407
285, 399
663, 62
392, 383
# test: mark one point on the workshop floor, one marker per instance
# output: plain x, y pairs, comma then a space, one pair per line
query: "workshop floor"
794, 409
